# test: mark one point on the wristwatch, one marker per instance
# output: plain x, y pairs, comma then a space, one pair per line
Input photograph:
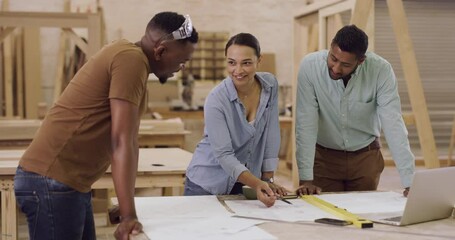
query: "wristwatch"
270, 180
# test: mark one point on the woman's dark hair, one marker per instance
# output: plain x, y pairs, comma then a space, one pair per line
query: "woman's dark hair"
245, 39
169, 22
351, 39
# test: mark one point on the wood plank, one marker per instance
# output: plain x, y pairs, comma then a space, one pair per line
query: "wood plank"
408, 118
94, 35
46, 19
268, 63
8, 202
20, 73
414, 82
77, 39
313, 7
2, 93
2, 110
5, 32
32, 70
59, 76
363, 18
324, 24
60, 66
362, 10
8, 66
8, 75
334, 23
313, 39
451, 145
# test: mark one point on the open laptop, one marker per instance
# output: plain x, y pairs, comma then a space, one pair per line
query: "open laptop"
431, 197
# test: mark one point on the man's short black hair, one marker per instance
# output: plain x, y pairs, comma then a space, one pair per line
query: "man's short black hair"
352, 39
169, 22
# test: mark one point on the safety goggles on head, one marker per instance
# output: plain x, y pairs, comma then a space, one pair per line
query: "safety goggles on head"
185, 30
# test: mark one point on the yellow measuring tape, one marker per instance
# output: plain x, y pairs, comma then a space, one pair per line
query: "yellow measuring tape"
340, 212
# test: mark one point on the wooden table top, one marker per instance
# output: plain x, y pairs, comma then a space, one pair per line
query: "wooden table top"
151, 161
25, 129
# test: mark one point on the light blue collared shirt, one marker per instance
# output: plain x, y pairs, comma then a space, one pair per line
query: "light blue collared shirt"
349, 118
232, 145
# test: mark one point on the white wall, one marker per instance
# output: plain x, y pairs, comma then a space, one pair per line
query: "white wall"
271, 21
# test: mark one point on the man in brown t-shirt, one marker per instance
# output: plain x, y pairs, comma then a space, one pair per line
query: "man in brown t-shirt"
95, 124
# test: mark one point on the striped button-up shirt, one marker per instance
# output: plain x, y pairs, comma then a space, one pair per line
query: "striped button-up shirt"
232, 145
351, 117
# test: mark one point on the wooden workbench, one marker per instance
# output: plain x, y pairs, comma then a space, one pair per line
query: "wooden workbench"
17, 134
158, 167
439, 229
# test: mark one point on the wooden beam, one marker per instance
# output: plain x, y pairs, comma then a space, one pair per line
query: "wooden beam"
59, 76
408, 118
370, 29
46, 19
5, 32
32, 70
451, 145
20, 73
363, 18
324, 14
60, 67
362, 10
77, 39
313, 38
8, 77
314, 7
94, 35
414, 83
334, 23
2, 94
8, 66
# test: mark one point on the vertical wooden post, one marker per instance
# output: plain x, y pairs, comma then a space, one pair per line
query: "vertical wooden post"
59, 76
8, 67
8, 199
414, 83
451, 145
362, 10
20, 72
363, 18
32, 70
94, 34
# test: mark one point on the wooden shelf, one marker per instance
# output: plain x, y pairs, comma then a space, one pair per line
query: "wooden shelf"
207, 61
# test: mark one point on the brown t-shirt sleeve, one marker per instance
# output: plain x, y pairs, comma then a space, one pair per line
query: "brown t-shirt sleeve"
129, 73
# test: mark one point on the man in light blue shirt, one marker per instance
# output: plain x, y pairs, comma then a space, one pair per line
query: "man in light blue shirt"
345, 96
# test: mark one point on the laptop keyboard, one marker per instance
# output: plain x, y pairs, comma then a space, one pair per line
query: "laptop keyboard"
394, 219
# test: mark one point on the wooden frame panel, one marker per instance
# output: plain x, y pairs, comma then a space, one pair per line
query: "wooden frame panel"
91, 21
31, 22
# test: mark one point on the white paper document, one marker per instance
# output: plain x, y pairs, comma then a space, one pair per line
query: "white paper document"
179, 207
204, 217
367, 202
299, 210
358, 203
194, 217
205, 229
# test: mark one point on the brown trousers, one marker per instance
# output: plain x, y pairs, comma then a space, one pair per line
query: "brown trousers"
337, 171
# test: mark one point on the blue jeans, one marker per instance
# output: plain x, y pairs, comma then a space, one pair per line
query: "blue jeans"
192, 189
54, 211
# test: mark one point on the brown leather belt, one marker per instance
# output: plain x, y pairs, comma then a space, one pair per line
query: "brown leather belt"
373, 145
